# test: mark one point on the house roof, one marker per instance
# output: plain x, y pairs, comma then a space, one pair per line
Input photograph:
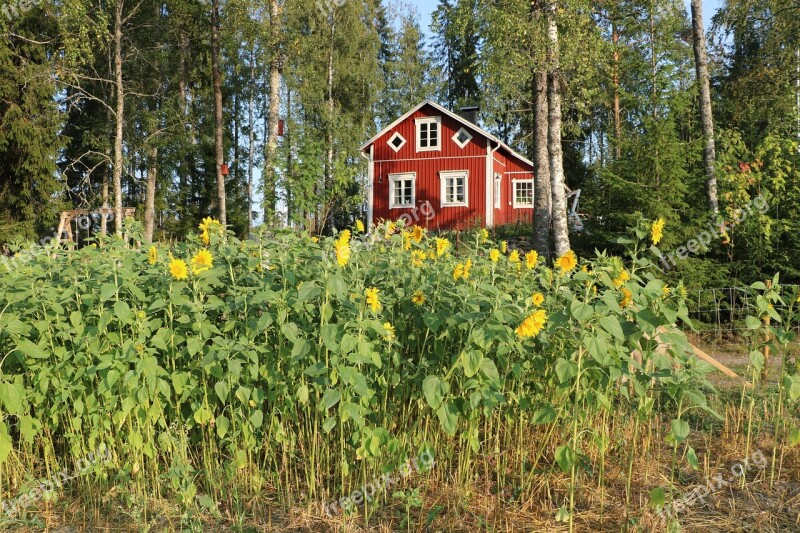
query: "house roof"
455, 117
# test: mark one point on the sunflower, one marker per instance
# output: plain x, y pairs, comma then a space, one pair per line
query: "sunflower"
531, 258
205, 237
665, 291
621, 278
342, 247
418, 297
567, 261
202, 261
484, 234
178, 269
390, 227
314, 239
657, 230
441, 246
417, 258
152, 255
467, 266
537, 299
417, 233
359, 226
514, 257
494, 255
389, 331
627, 297
504, 246
406, 240
372, 299
532, 325
458, 272
208, 223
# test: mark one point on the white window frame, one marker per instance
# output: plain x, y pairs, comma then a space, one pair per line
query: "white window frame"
429, 120
498, 190
403, 176
444, 176
459, 143
514, 194
392, 138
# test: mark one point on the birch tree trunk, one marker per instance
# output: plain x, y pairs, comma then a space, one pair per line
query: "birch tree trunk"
270, 176
218, 150
706, 117
542, 193
150, 195
558, 192
119, 117
251, 152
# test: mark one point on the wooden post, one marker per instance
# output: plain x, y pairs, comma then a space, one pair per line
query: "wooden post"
767, 339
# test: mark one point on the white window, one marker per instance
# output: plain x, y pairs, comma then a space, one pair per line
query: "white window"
454, 188
396, 141
462, 137
428, 133
523, 194
402, 190
498, 188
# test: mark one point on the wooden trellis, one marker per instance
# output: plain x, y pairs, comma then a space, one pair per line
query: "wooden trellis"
65, 226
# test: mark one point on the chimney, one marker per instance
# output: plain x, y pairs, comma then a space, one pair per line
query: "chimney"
470, 113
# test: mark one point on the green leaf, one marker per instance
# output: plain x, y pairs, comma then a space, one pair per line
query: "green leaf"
222, 389
331, 397
565, 370
611, 325
11, 395
257, 418
582, 312
123, 311
545, 415
448, 417
566, 458
471, 360
489, 369
6, 444
223, 424
433, 389
752, 323
679, 430
691, 458
202, 416
657, 499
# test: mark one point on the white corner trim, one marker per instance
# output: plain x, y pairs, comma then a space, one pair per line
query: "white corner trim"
514, 183
403, 176
458, 133
445, 175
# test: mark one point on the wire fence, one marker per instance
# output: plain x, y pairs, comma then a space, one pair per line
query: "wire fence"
719, 315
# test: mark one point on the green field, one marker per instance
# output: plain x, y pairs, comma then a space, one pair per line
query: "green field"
384, 382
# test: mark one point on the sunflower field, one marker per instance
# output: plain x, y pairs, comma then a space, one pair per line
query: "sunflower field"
244, 384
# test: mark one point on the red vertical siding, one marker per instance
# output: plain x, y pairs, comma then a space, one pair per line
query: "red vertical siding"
428, 164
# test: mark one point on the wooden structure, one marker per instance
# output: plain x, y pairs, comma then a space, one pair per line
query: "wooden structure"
67, 217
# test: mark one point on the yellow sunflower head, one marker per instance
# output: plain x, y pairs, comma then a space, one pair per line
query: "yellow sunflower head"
359, 226
389, 331
152, 255
532, 325
537, 299
202, 261
504, 246
494, 255
567, 262
657, 230
373, 301
341, 247
417, 233
178, 269
531, 258
418, 297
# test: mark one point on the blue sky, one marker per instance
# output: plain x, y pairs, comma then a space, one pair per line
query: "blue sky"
426, 7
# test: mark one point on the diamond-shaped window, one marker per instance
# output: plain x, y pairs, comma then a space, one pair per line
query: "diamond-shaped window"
462, 137
396, 141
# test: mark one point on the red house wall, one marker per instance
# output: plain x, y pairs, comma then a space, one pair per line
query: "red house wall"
510, 168
427, 166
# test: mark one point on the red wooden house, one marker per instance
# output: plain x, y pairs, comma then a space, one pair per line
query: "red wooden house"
444, 172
